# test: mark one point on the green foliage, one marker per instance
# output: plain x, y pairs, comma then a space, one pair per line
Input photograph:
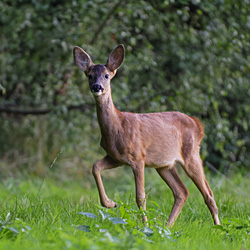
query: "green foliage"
7, 230
191, 56
66, 215
235, 227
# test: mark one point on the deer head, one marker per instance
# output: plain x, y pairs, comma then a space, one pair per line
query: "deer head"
99, 75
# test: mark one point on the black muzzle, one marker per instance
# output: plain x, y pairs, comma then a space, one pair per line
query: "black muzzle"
96, 88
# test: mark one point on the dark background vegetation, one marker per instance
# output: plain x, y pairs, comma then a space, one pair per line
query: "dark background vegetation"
190, 56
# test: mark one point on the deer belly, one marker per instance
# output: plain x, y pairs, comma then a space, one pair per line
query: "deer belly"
163, 155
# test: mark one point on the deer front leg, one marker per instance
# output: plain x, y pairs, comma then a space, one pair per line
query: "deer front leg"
105, 163
138, 170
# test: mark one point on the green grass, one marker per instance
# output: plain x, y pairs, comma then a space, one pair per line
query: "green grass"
57, 214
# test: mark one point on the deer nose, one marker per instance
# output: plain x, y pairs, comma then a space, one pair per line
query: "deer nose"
96, 88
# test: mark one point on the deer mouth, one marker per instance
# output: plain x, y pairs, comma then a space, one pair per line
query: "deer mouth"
97, 89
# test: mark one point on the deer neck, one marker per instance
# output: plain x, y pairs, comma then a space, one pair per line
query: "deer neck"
109, 117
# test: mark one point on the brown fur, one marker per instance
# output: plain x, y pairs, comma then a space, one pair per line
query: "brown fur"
200, 126
157, 140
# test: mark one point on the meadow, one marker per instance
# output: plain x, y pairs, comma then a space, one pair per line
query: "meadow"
188, 56
66, 214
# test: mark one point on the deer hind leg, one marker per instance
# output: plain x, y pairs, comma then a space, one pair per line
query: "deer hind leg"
194, 169
103, 164
179, 190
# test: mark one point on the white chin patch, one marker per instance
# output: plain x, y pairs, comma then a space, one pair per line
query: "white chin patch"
97, 93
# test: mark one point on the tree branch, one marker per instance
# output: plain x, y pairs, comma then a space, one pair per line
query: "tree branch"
16, 111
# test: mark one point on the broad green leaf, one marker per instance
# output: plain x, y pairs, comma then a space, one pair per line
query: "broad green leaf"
147, 231
123, 211
104, 215
90, 215
116, 220
84, 228
13, 230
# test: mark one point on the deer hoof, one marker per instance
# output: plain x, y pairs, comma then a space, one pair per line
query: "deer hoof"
109, 204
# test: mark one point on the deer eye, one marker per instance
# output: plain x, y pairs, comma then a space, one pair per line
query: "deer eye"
107, 76
90, 77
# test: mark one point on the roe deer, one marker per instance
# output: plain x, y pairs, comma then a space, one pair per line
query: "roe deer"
156, 140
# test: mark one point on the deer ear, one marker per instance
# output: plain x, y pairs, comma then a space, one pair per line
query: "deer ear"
116, 58
82, 59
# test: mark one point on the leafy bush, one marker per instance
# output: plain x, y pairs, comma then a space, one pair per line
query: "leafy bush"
191, 56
